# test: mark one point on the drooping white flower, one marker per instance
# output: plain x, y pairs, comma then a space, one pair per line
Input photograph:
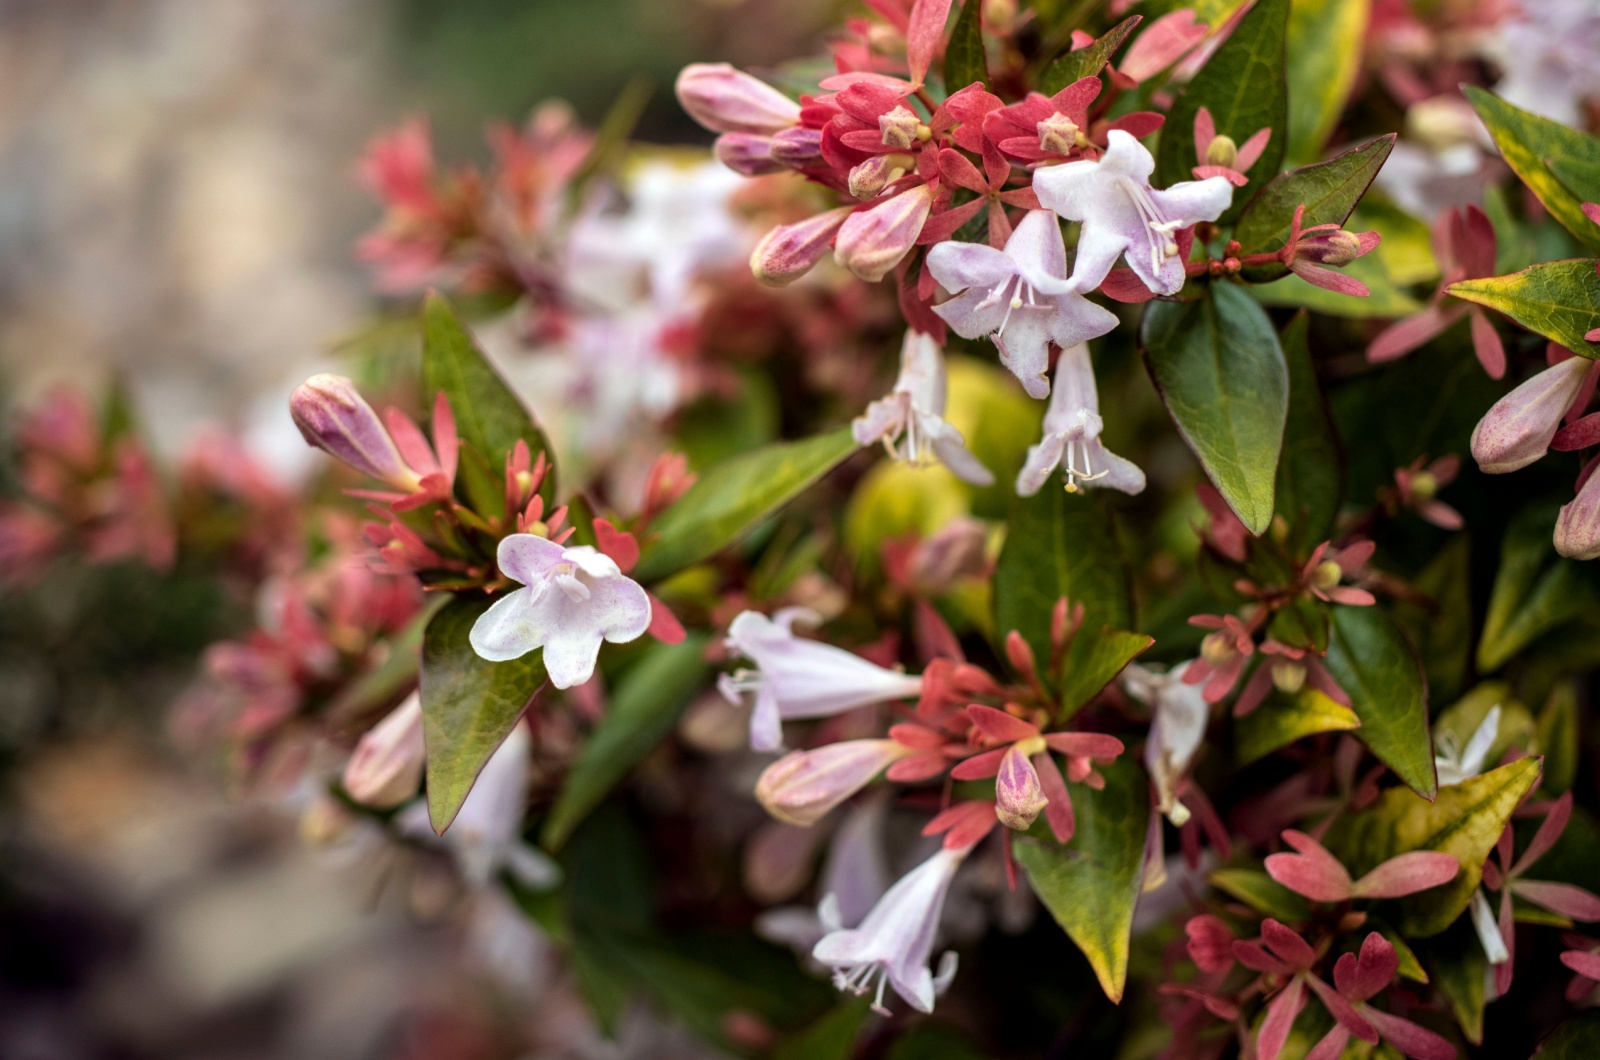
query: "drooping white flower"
1483, 922
1072, 432
1121, 213
571, 599
894, 943
796, 678
1176, 731
910, 419
1455, 765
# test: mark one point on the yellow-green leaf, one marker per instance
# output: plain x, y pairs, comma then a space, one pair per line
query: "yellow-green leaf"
1325, 50
1528, 142
1262, 893
1557, 299
1282, 720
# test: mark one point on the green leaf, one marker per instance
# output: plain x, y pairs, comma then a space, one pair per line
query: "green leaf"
1458, 967
1465, 820
964, 61
1535, 590
1310, 481
1060, 544
1440, 622
468, 705
1281, 721
734, 496
833, 1037
1386, 301
1221, 372
1087, 61
1329, 191
1370, 659
1092, 884
932, 1041
641, 709
1325, 49
1576, 1039
1301, 623
1243, 84
1580, 176
1557, 299
489, 416
1262, 893
1527, 142
384, 682
1558, 738
1093, 662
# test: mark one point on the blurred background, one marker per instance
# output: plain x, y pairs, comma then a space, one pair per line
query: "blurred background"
177, 210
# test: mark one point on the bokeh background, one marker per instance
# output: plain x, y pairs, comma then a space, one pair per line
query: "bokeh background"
177, 209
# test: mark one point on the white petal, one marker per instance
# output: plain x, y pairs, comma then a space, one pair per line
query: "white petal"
510, 629
525, 557
1042, 459
1483, 920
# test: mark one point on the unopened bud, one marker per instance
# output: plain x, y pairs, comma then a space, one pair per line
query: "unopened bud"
324, 821
730, 101
1334, 248
387, 765
1517, 430
747, 154
1018, 798
1217, 647
1424, 485
1578, 526
789, 251
1327, 575
1288, 676
902, 128
872, 242
334, 417
802, 786
869, 178
797, 146
1058, 134
1221, 151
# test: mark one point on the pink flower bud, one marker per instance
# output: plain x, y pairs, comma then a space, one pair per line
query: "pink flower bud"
797, 146
1336, 247
730, 101
870, 178
1518, 429
1578, 526
872, 242
387, 765
901, 128
333, 417
789, 251
1018, 797
747, 154
802, 786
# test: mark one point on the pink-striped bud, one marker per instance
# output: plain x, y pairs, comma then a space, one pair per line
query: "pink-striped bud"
387, 765
802, 786
335, 418
1335, 247
1518, 429
731, 101
1018, 797
797, 147
747, 154
1578, 526
789, 251
872, 242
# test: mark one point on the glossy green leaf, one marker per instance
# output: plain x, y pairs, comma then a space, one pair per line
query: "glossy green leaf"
964, 61
1059, 544
1370, 659
1439, 622
1558, 738
1310, 481
1529, 143
468, 705
1464, 820
1325, 50
1576, 1039
1262, 893
1087, 61
641, 709
1580, 176
1329, 191
489, 416
1244, 85
1091, 885
1094, 661
1457, 966
1557, 299
734, 496
1281, 720
1535, 590
1221, 372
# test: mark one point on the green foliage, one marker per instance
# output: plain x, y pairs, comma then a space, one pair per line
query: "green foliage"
1310, 482
1281, 720
1325, 46
1086, 62
1576, 1039
1094, 661
964, 61
1262, 893
833, 1037
1535, 590
1371, 660
469, 705
1092, 885
1557, 299
1222, 375
1531, 145
1457, 966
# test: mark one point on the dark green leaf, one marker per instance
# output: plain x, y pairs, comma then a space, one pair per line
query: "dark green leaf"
1458, 967
1243, 84
1558, 738
1535, 590
1310, 481
734, 496
1221, 372
1370, 659
468, 705
1281, 720
1328, 190
964, 61
1325, 50
640, 711
1058, 544
1528, 143
1087, 61
1091, 885
1262, 893
1441, 624
1301, 623
489, 416
833, 1037
1465, 820
1557, 299
1576, 1039
932, 1041
1094, 661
